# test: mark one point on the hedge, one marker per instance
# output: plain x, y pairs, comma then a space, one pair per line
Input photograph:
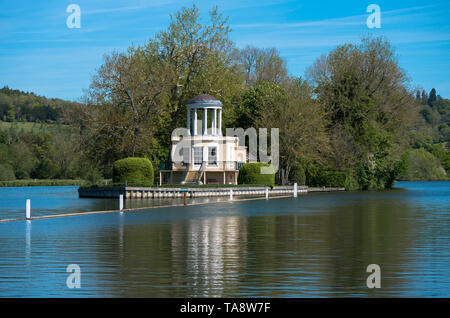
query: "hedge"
331, 178
250, 173
133, 171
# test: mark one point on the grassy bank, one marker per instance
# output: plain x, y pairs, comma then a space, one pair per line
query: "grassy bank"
42, 182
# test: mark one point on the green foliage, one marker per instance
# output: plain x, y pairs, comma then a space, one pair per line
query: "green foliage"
6, 172
423, 165
297, 173
262, 95
331, 178
250, 173
368, 114
351, 181
319, 176
22, 106
133, 170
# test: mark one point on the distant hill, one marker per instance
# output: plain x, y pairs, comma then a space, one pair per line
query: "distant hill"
16, 105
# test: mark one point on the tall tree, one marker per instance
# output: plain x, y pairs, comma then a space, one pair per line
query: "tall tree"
363, 90
299, 118
261, 65
139, 96
424, 97
432, 97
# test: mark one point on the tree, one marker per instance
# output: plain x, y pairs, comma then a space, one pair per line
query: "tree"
366, 100
299, 118
261, 65
424, 97
139, 96
418, 98
432, 97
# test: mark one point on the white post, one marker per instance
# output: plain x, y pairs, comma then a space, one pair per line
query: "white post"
195, 122
295, 190
267, 193
121, 202
28, 210
231, 194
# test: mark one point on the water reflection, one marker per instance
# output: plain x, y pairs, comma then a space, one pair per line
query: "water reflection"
28, 242
208, 250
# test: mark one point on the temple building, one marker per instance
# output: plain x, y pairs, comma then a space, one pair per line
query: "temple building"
203, 155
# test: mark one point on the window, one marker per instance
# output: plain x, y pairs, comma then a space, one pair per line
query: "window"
212, 155
198, 155
185, 154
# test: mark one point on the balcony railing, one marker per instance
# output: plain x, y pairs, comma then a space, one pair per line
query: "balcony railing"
221, 165
165, 165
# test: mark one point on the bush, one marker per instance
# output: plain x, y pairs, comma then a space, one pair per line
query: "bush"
330, 178
6, 172
133, 171
297, 173
250, 173
423, 165
326, 177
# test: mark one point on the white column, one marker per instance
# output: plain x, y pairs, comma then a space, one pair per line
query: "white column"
295, 190
195, 122
231, 194
214, 122
267, 193
220, 122
189, 121
205, 119
121, 202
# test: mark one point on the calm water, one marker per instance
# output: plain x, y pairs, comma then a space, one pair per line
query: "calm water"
316, 245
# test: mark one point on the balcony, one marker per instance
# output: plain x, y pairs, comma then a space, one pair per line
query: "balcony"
165, 165
220, 166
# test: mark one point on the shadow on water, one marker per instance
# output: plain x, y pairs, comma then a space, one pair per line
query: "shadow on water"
316, 245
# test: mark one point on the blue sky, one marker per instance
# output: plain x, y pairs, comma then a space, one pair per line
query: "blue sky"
39, 53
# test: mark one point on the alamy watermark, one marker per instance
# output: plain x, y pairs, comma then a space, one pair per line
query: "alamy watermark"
74, 19
74, 279
374, 19
374, 279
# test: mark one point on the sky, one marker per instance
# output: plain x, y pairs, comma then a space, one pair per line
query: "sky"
40, 54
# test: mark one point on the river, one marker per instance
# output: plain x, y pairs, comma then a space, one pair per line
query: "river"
316, 245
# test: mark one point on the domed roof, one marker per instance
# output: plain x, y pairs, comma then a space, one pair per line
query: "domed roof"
204, 100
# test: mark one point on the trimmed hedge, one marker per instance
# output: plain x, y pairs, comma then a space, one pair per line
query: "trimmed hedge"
331, 178
133, 171
250, 173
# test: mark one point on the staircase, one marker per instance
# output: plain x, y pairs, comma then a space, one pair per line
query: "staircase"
193, 176
200, 172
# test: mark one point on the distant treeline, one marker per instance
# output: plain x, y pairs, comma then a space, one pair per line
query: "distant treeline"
16, 105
